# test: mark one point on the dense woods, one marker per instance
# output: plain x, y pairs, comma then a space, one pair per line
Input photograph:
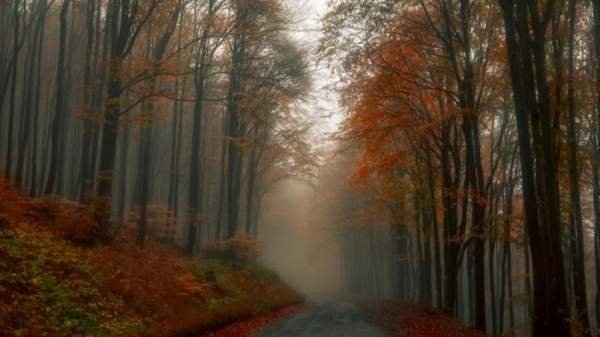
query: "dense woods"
171, 139
135, 136
473, 132
181, 109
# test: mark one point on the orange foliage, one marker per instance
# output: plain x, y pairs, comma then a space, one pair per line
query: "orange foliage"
402, 101
407, 97
80, 224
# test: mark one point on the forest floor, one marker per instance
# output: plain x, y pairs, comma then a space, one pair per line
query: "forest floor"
53, 283
410, 320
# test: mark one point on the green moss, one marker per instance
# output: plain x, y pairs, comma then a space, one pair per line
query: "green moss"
50, 276
239, 282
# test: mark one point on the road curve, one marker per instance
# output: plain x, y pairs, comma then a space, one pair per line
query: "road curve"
323, 319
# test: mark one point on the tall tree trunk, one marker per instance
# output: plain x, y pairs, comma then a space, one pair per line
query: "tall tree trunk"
424, 227
474, 171
576, 217
13, 90
234, 151
451, 235
506, 268
596, 152
176, 135
88, 127
26, 101
121, 193
250, 191
124, 26
551, 315
36, 102
492, 277
144, 182
222, 181
102, 57
195, 199
470, 127
176, 131
236, 127
435, 230
60, 106
147, 129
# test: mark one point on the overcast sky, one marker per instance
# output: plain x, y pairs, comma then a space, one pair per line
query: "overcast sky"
323, 103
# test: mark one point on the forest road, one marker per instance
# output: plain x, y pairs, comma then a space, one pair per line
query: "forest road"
323, 319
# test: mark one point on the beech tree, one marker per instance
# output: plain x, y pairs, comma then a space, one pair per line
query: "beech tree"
184, 80
465, 174
428, 87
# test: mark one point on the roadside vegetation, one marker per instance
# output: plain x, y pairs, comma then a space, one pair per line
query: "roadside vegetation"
57, 279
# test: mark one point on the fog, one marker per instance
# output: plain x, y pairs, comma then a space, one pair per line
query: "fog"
298, 245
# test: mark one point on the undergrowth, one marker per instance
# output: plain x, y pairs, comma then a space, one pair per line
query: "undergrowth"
239, 283
57, 280
47, 288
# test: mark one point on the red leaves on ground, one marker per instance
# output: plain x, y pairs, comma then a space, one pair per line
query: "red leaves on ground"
77, 223
155, 287
248, 327
416, 321
12, 203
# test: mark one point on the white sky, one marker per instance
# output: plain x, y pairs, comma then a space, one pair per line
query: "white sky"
323, 103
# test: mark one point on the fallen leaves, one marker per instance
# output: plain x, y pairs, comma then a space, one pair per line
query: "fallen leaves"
51, 286
248, 327
190, 284
417, 321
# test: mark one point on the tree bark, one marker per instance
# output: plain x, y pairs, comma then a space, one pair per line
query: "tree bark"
13, 90
60, 106
551, 316
575, 194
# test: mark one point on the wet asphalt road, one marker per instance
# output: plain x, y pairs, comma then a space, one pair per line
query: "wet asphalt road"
323, 319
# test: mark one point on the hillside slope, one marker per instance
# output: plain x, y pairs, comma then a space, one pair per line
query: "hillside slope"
54, 282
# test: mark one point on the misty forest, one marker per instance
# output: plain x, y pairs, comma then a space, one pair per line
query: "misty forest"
300, 168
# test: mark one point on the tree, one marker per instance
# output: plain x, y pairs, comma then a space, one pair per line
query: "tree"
57, 140
157, 58
127, 18
210, 41
576, 218
596, 146
527, 60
